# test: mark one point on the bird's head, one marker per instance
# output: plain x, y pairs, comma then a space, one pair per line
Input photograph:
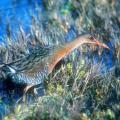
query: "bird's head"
89, 39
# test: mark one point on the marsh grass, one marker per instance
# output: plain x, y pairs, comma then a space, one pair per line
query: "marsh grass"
79, 89
84, 94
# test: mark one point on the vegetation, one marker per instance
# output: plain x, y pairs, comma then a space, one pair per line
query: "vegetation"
82, 88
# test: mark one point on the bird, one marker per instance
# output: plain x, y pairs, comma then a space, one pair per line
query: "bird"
35, 67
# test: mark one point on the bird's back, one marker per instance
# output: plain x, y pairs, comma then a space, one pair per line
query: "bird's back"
31, 60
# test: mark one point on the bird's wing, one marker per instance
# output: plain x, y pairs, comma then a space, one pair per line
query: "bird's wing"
33, 76
37, 61
32, 60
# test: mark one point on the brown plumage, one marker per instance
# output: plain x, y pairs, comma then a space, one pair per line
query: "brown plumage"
33, 69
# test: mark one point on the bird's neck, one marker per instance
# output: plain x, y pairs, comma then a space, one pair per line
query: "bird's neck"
64, 51
74, 44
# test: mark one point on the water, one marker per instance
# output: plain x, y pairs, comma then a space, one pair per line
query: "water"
14, 13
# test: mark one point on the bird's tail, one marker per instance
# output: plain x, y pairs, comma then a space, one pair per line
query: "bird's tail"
2, 73
6, 70
2, 64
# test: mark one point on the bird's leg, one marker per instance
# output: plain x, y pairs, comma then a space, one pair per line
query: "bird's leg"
35, 91
27, 88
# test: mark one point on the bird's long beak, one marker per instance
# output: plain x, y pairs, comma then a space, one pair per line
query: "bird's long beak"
101, 44
98, 43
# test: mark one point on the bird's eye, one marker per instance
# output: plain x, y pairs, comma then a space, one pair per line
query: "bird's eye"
91, 38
